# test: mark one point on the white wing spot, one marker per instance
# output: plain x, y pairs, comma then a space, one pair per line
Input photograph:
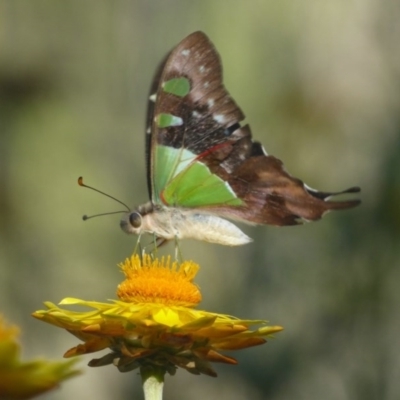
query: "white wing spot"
196, 114
176, 121
210, 103
219, 118
206, 85
185, 53
202, 69
263, 149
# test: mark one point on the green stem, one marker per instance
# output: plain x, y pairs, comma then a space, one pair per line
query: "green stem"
153, 382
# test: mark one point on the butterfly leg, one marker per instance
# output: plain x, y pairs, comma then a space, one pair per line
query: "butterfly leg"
138, 247
154, 245
178, 253
150, 248
160, 242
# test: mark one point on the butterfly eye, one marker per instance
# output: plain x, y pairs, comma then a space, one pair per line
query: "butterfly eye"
135, 219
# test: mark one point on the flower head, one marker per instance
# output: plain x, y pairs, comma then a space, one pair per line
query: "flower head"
24, 380
159, 281
155, 324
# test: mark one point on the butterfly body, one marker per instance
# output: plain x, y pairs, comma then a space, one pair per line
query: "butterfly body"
203, 165
174, 223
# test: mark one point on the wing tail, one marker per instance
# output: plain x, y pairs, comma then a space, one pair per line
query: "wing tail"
273, 196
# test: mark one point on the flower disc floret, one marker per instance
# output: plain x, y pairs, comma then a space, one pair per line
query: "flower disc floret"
159, 281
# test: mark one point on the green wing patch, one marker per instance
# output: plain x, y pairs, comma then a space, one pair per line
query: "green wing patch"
178, 86
182, 181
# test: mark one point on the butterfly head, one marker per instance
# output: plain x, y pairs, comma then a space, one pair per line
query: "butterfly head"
132, 221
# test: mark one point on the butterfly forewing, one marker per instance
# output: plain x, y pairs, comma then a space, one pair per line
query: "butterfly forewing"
190, 118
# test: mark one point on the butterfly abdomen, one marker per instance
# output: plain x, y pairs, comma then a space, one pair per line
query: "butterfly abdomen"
210, 228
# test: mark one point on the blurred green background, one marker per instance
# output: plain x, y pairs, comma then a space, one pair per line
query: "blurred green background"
319, 83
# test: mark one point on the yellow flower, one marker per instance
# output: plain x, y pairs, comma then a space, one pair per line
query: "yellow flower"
155, 324
20, 380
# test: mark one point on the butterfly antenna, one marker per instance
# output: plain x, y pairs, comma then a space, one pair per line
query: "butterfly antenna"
80, 183
86, 217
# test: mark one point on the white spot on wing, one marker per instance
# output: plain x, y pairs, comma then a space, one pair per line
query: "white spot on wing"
310, 188
196, 114
176, 121
206, 85
228, 186
185, 52
262, 148
210, 103
219, 118
202, 69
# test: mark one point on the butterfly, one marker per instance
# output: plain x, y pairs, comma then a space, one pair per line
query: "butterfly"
204, 167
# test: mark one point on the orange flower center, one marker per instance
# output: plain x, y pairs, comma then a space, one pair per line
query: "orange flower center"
159, 281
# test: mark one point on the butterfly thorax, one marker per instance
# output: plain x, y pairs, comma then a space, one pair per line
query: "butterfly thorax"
180, 223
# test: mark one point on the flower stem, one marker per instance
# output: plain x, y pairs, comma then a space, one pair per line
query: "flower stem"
153, 382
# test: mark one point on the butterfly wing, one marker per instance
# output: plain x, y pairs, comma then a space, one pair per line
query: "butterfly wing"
189, 115
200, 156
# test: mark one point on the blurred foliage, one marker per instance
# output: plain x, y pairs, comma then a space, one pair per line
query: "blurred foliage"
319, 83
